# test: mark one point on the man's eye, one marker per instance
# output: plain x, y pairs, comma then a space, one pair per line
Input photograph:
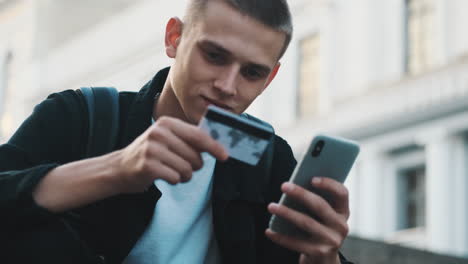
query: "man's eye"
214, 57
252, 74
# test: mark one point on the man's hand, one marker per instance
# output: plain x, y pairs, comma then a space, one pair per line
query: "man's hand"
170, 150
326, 233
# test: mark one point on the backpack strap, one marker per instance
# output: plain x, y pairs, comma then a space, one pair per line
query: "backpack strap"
103, 115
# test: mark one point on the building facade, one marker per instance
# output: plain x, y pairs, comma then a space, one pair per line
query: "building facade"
390, 74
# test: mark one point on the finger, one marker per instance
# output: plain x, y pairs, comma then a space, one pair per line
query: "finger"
171, 160
178, 146
300, 245
195, 137
302, 221
292, 243
315, 204
337, 194
161, 171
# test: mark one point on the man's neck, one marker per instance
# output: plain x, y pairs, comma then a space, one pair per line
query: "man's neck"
168, 104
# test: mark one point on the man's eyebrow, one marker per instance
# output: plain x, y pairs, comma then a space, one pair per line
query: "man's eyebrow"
216, 47
212, 45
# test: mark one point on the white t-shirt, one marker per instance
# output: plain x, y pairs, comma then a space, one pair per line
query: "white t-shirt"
181, 230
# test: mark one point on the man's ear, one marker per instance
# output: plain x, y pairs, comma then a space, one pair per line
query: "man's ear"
173, 35
272, 75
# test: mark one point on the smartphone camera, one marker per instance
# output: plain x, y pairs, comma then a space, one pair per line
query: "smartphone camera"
318, 148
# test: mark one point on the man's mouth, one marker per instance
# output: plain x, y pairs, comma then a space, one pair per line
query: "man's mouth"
216, 103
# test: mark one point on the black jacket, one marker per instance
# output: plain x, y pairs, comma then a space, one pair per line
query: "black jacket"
106, 231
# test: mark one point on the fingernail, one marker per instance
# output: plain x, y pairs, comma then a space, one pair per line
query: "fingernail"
273, 205
226, 155
316, 180
288, 187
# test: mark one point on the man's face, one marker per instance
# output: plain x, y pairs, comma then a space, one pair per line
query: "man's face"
226, 59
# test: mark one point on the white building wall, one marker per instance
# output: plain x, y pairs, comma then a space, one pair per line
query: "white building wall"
370, 201
446, 186
389, 53
16, 33
439, 188
459, 186
456, 41
3, 83
129, 45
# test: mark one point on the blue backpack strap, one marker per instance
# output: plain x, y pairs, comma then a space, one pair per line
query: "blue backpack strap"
103, 115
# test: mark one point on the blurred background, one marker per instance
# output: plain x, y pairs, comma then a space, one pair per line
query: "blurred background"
390, 74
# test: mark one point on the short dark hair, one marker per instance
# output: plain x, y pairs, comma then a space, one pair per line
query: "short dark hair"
272, 13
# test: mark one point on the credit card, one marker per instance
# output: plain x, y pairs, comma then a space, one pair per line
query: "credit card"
244, 139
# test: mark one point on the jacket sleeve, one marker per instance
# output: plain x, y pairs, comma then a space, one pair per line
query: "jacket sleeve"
283, 166
50, 136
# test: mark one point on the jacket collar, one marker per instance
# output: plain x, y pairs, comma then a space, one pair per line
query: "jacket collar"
141, 110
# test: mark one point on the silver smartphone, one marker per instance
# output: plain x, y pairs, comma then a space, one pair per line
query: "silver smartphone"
327, 156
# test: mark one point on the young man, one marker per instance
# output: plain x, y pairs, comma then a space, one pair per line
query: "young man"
59, 207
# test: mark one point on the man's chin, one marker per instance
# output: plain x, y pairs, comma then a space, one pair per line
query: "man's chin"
194, 120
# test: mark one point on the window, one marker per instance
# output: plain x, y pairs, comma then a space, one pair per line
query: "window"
309, 79
419, 35
413, 197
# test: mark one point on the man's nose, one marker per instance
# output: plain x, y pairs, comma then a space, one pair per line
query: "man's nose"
227, 80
